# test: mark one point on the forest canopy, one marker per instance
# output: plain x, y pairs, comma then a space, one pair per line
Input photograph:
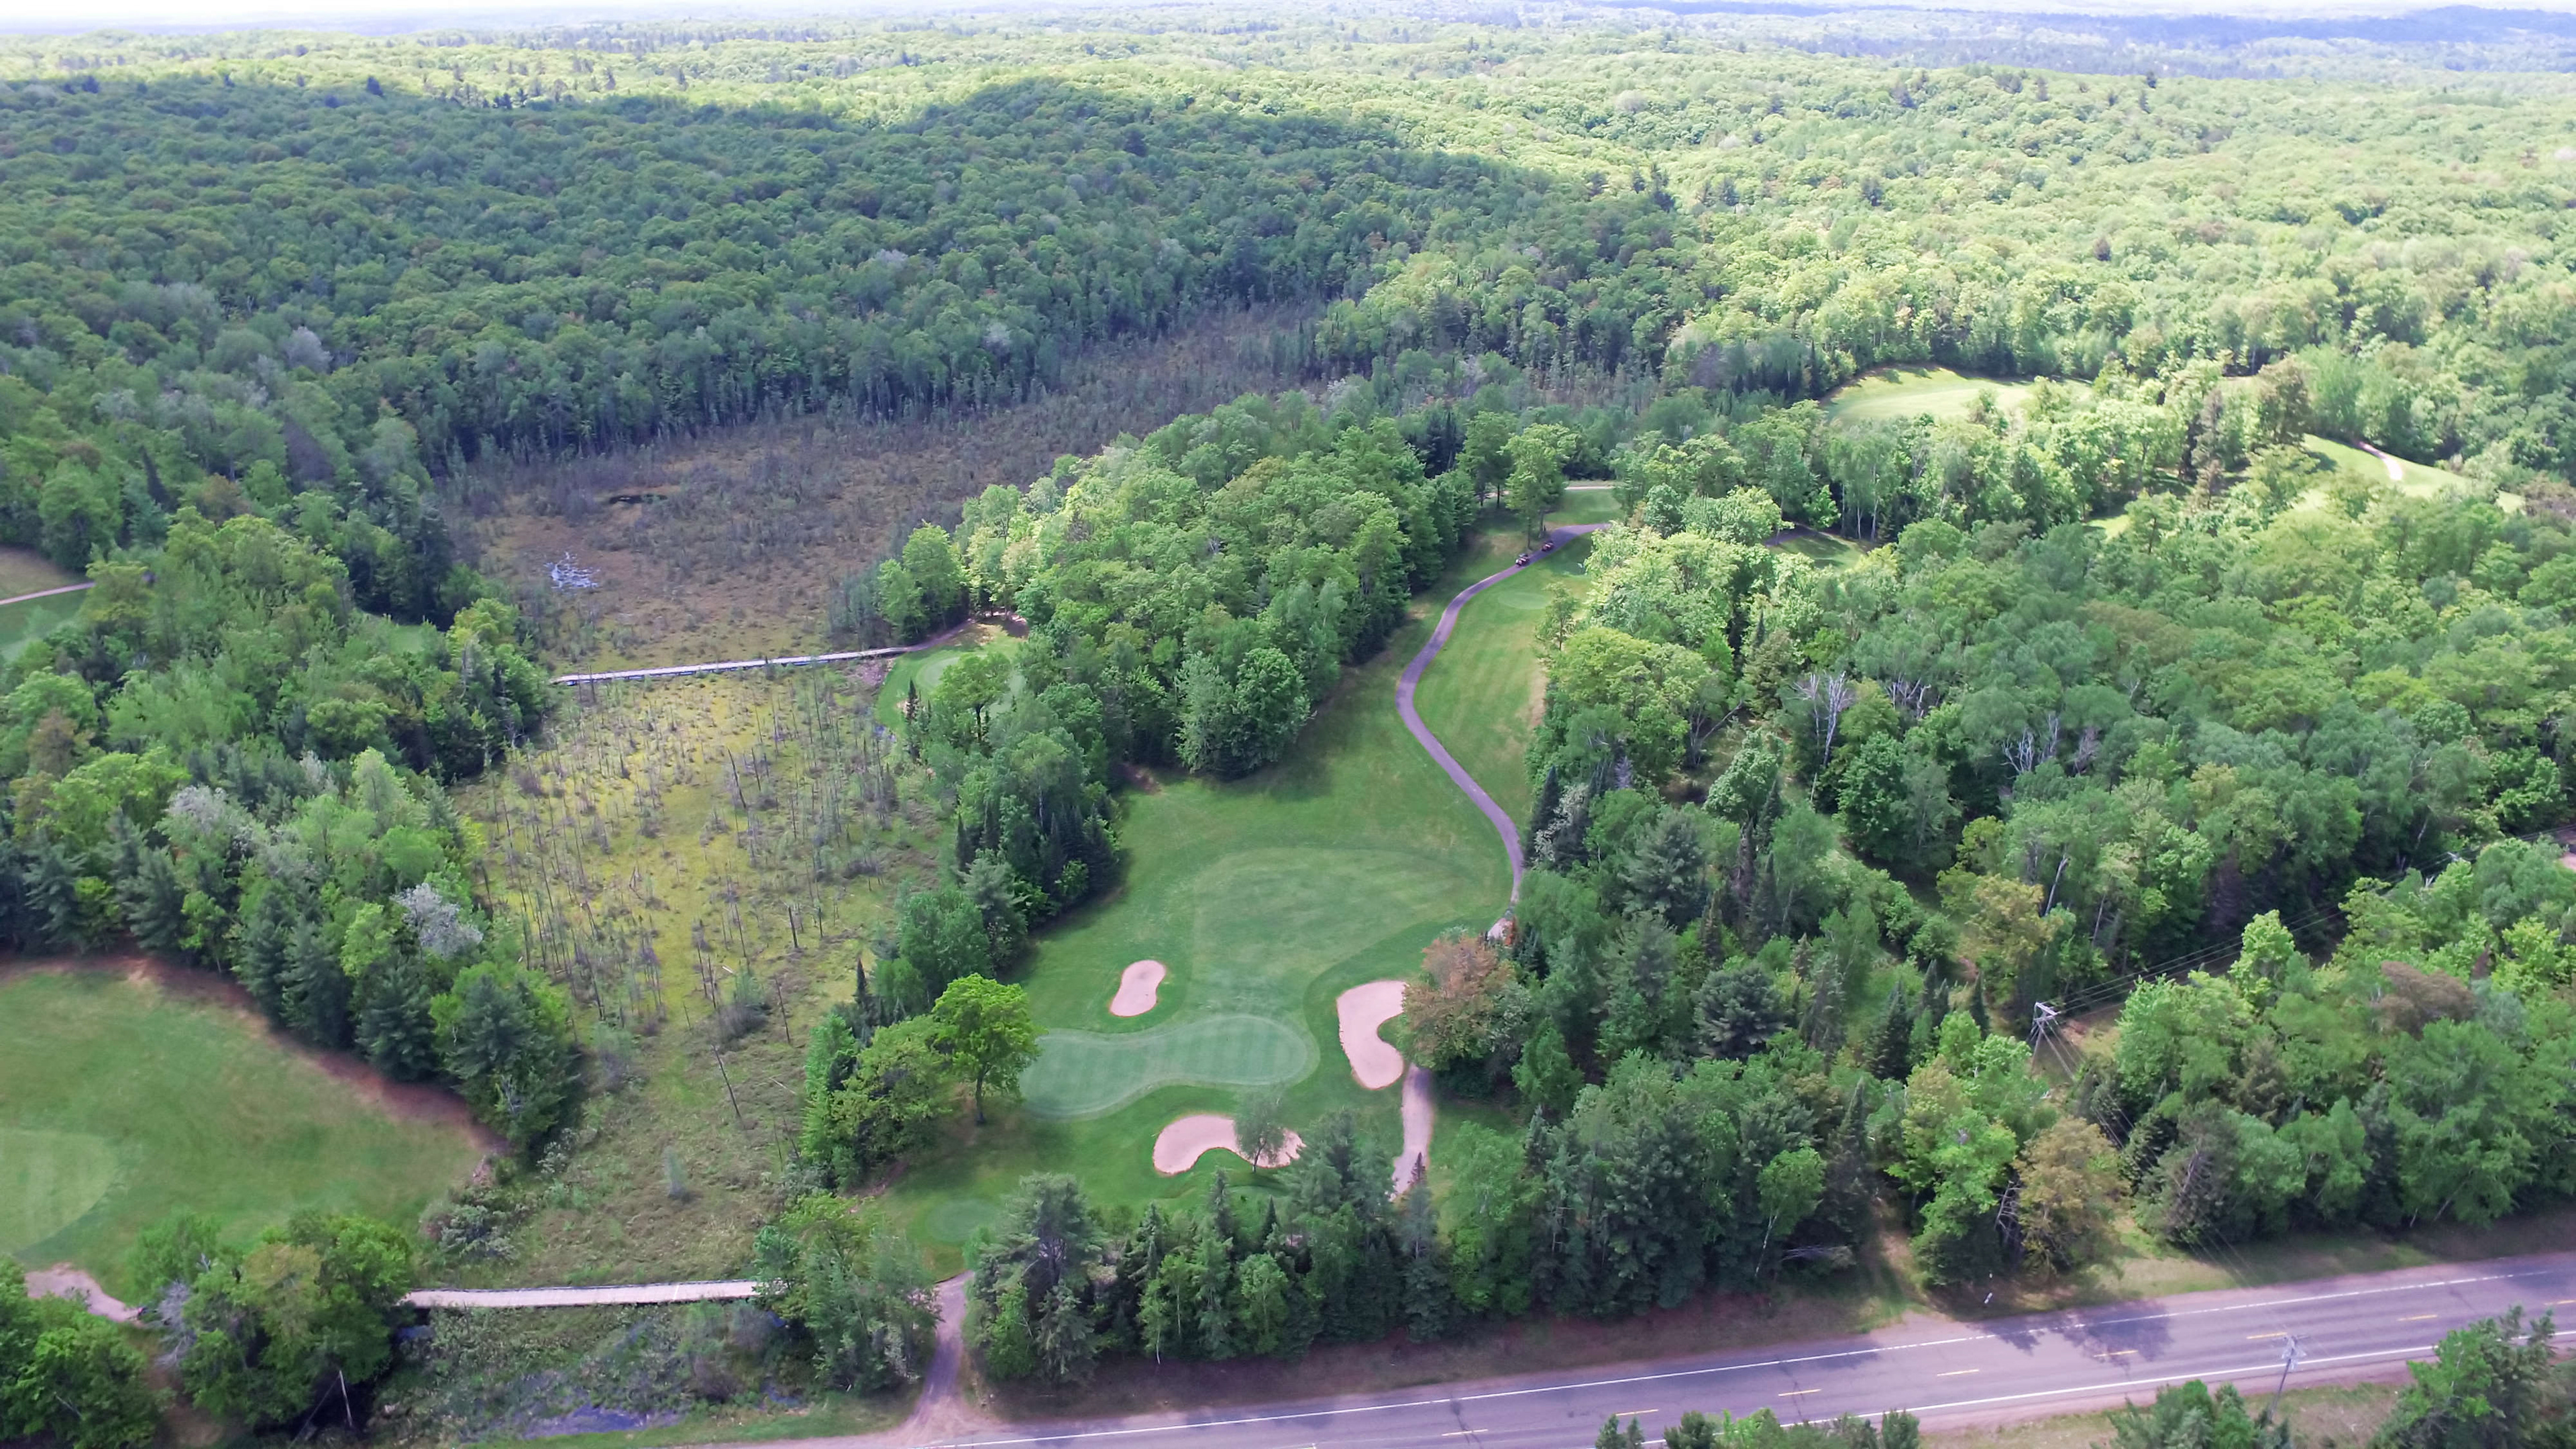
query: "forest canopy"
1882, 740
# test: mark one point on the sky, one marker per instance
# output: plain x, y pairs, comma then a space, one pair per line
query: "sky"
404, 15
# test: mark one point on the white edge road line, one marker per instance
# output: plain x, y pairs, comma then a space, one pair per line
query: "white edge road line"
1873, 1351
2230, 1372
2217, 1373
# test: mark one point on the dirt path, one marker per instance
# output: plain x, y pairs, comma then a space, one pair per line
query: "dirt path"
943, 1412
1415, 1159
1504, 826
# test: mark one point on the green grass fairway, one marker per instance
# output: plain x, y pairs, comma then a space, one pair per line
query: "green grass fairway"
121, 1100
922, 671
1265, 898
22, 624
2422, 480
48, 1180
24, 571
1586, 503
1483, 695
1892, 394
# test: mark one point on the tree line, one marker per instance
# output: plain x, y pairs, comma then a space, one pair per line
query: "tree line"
292, 1331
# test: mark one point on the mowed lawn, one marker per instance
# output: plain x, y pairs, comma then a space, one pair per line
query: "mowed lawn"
1893, 394
1482, 696
122, 1099
1265, 898
25, 571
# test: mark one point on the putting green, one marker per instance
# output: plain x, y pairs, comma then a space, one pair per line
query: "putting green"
1244, 928
911, 672
1085, 1073
49, 1181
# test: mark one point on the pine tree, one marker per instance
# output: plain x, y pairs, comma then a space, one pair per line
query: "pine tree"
1891, 1044
316, 991
1427, 1299
829, 1057
53, 897
147, 888
1221, 1208
259, 948
1216, 1294
1063, 1340
394, 1026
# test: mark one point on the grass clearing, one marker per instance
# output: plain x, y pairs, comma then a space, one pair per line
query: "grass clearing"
1266, 898
921, 671
125, 1094
24, 571
1893, 394
616, 1376
2334, 1414
666, 838
1824, 550
2420, 480
28, 620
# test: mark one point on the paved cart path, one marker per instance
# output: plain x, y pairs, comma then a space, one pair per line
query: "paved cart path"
1504, 825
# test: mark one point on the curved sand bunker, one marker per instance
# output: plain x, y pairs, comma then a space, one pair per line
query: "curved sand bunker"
1138, 987
1181, 1144
65, 1281
1363, 1009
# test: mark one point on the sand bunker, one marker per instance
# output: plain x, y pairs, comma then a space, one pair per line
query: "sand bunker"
1180, 1145
65, 1281
1363, 1010
1138, 986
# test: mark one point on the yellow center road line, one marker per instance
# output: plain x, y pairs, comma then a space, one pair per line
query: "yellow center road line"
1635, 1413
1954, 1373
1793, 1393
2267, 1335
2418, 1317
2116, 1352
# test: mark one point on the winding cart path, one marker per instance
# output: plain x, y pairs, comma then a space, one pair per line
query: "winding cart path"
1504, 825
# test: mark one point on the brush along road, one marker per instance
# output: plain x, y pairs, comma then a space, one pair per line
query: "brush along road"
1947, 1373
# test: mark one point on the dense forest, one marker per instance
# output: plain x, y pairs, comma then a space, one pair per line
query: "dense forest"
2127, 701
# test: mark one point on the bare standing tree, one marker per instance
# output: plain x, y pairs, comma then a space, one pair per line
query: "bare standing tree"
1831, 695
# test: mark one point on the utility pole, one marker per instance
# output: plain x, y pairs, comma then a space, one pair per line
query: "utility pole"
2289, 1361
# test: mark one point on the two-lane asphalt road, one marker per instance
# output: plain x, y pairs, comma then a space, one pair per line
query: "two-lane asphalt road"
1946, 1373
